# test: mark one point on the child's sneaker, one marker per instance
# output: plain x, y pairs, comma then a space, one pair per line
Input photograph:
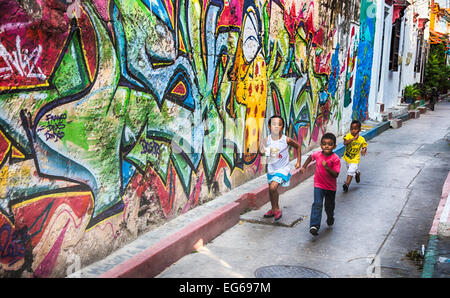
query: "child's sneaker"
278, 214
269, 213
357, 177
314, 230
345, 187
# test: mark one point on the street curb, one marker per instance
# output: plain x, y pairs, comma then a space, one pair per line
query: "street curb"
432, 251
430, 257
155, 259
442, 203
404, 117
158, 257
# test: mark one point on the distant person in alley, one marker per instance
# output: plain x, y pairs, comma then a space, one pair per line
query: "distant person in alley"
433, 98
327, 170
355, 146
276, 149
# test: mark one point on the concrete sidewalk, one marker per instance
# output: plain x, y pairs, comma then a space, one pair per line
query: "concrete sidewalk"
156, 250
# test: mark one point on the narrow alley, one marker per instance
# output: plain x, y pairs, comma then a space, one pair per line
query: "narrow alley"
379, 222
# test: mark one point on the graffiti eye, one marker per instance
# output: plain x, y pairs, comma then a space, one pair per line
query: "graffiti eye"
250, 36
179, 91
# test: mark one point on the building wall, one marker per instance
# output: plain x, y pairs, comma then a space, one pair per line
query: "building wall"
409, 75
388, 85
392, 78
117, 116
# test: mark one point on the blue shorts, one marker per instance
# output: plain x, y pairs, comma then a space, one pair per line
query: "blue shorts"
281, 179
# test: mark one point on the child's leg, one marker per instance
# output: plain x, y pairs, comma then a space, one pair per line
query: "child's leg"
357, 174
330, 197
273, 193
349, 179
349, 176
351, 172
316, 209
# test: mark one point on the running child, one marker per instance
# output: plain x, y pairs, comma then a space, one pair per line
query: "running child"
276, 148
354, 145
327, 170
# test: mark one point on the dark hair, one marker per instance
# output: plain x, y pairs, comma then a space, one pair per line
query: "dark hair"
329, 136
356, 122
276, 116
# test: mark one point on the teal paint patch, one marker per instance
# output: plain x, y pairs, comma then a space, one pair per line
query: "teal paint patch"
430, 257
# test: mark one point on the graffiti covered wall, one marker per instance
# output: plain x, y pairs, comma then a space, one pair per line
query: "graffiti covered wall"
118, 115
365, 60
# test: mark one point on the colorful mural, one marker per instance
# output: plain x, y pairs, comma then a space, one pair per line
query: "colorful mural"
116, 116
365, 60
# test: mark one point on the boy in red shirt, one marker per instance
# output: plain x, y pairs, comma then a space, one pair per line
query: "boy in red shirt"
328, 166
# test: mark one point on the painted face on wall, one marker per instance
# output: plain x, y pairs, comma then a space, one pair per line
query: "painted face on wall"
250, 82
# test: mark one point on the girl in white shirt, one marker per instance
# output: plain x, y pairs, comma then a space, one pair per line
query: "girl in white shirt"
276, 149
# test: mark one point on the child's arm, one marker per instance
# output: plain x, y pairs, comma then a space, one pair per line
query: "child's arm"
305, 165
297, 147
330, 170
346, 142
364, 149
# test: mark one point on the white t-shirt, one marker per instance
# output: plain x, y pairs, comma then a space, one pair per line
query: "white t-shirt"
278, 160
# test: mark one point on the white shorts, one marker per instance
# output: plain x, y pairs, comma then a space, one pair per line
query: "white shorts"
352, 168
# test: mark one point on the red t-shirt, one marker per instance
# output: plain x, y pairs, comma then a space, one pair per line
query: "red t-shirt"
323, 179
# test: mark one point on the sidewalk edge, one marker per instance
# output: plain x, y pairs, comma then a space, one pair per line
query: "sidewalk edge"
158, 257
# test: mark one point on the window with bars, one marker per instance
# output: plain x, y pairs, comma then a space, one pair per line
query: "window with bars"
395, 45
418, 53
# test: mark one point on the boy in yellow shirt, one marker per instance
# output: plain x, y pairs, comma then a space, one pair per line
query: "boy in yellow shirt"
354, 145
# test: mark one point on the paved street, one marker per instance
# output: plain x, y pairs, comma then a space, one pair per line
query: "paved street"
378, 222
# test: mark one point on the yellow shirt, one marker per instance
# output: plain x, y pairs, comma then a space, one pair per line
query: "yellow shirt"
353, 150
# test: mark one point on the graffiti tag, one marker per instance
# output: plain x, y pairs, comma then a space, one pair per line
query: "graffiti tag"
11, 245
150, 147
54, 127
21, 61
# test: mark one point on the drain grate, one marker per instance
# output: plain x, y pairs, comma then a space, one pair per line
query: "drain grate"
286, 271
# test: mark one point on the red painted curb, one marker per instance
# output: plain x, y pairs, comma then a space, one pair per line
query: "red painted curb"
158, 257
437, 217
155, 259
